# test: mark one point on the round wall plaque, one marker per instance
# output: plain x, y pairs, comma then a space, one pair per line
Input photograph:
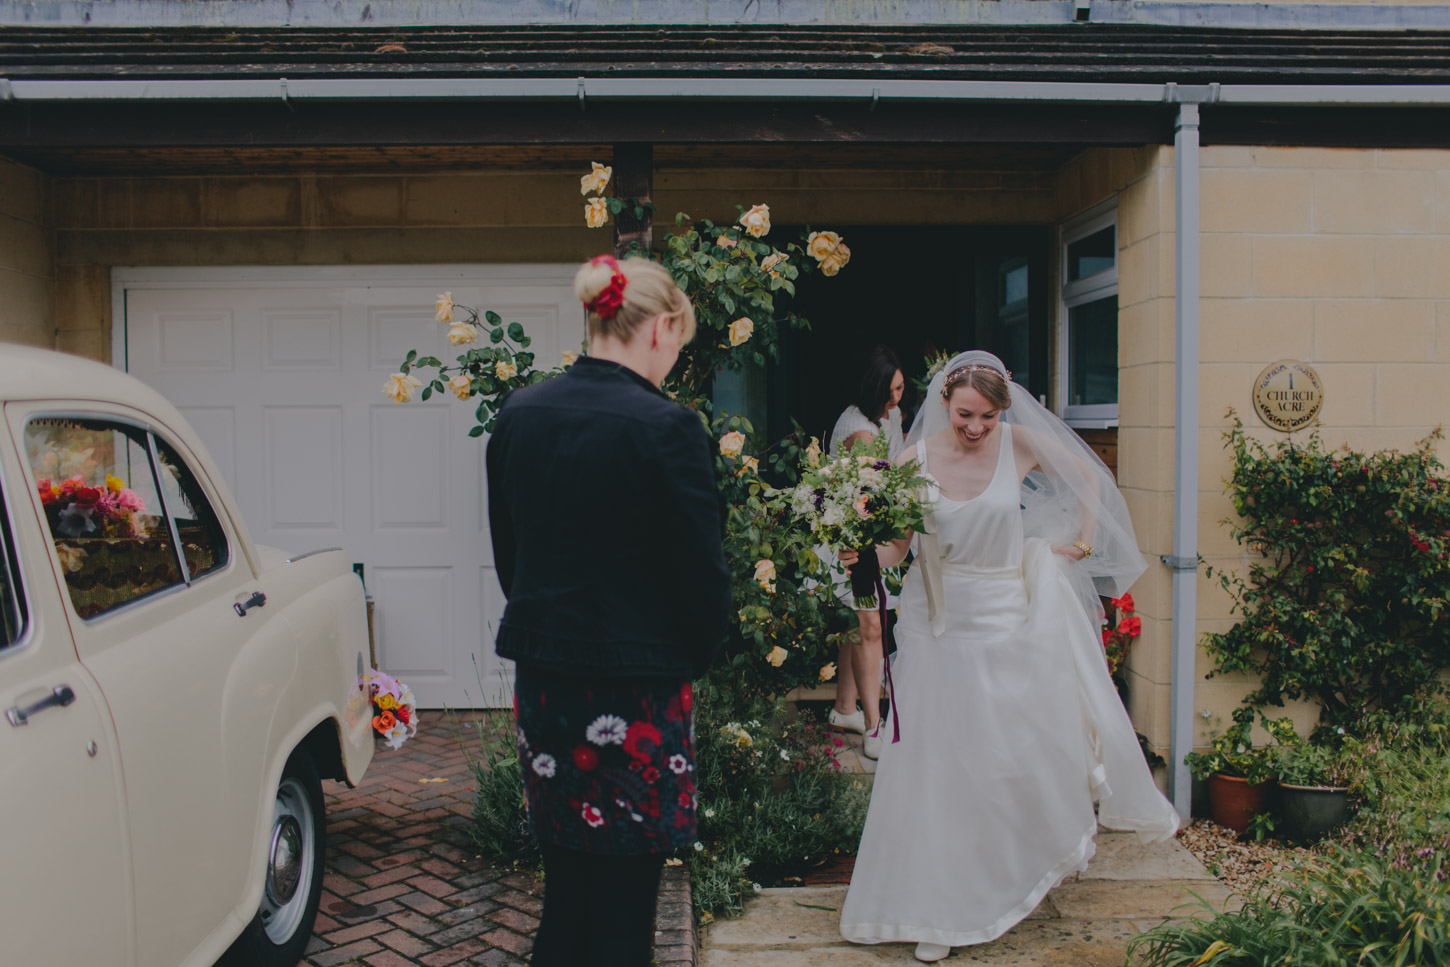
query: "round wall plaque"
1288, 394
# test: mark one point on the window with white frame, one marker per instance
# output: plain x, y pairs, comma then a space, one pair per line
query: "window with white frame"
1088, 327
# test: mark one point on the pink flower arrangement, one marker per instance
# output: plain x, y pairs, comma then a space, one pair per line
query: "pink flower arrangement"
75, 509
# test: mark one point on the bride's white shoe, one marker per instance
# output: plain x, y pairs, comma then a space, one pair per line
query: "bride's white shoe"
852, 722
871, 743
931, 952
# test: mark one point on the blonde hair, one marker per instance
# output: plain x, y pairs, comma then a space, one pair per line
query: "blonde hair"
649, 291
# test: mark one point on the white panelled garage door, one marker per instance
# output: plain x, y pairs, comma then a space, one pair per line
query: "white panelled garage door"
281, 372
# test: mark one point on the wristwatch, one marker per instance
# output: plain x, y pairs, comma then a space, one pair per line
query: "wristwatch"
1084, 546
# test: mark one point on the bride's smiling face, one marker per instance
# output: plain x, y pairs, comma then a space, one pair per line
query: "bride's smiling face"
972, 417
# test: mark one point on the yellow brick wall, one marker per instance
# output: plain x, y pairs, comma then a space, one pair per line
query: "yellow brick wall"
1340, 258
494, 216
27, 257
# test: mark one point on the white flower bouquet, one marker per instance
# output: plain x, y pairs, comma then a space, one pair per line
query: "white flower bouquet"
860, 500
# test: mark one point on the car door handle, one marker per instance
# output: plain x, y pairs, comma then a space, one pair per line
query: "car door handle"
61, 695
255, 601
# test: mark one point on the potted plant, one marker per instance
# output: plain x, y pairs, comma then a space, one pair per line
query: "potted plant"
1239, 775
1313, 788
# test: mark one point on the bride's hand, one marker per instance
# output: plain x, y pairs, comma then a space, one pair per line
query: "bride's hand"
848, 556
1072, 552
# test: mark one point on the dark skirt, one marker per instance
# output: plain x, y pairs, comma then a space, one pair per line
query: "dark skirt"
608, 765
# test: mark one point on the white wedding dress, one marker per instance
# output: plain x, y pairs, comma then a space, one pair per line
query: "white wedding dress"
1010, 729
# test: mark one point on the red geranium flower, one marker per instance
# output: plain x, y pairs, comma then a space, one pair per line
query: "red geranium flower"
1125, 603
1132, 627
585, 758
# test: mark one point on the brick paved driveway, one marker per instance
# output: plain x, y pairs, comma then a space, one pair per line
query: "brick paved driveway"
404, 884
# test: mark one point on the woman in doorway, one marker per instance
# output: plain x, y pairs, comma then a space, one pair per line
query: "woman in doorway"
607, 620
1009, 725
876, 409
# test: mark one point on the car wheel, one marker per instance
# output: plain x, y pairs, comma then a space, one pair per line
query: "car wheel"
292, 887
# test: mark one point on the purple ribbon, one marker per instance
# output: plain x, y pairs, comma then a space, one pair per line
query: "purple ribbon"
890, 685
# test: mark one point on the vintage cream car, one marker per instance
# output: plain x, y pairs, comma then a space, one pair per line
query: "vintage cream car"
172, 693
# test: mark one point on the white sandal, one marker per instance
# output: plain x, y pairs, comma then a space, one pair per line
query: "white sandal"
932, 952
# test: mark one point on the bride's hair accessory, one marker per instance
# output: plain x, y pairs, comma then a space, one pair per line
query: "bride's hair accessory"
962, 373
611, 297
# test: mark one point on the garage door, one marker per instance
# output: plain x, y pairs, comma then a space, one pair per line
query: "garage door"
281, 373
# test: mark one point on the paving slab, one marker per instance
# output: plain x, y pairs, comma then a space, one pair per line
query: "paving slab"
1133, 899
1087, 921
1121, 856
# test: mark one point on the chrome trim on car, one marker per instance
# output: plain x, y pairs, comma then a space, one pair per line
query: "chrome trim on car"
166, 509
11, 552
320, 550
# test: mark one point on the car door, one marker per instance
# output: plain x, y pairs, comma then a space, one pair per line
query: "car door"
173, 658
65, 893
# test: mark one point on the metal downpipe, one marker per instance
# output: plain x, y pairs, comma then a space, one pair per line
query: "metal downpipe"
1184, 559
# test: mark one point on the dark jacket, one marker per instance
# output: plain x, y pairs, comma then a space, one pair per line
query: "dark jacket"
606, 525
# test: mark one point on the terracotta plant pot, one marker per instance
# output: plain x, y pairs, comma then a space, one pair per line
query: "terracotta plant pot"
1311, 811
1234, 803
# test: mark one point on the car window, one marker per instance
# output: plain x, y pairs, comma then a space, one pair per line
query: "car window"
201, 534
12, 600
103, 511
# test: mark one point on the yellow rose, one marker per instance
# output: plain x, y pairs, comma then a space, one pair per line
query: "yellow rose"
836, 261
386, 702
777, 656
757, 220
505, 369
741, 330
748, 464
399, 387
596, 212
114, 484
443, 308
570, 358
764, 571
725, 241
772, 260
821, 244
828, 671
461, 385
732, 443
462, 333
596, 180
813, 452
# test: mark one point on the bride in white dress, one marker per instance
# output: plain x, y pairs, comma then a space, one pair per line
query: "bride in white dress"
1009, 726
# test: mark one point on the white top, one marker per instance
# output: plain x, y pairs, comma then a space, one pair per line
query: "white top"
852, 420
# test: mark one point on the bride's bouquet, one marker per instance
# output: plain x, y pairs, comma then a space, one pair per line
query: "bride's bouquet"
859, 500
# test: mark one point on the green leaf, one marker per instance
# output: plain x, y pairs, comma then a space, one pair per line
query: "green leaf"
475, 431
493, 318
516, 331
427, 392
496, 335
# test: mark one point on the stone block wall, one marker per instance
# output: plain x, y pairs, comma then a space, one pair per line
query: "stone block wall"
27, 257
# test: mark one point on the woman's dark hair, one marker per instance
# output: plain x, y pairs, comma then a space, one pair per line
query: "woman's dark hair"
875, 387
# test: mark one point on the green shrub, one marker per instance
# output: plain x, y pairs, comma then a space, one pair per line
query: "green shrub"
500, 826
1346, 602
1339, 910
1234, 754
1399, 773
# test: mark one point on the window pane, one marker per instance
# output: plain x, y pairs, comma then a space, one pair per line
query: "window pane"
201, 535
103, 511
1092, 364
1091, 254
1013, 288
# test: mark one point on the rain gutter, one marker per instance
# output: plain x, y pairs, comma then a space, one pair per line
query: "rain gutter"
1188, 98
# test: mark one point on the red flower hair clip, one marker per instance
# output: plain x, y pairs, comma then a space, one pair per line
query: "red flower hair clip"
608, 302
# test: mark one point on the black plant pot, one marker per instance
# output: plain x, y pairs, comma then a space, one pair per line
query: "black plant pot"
1311, 811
